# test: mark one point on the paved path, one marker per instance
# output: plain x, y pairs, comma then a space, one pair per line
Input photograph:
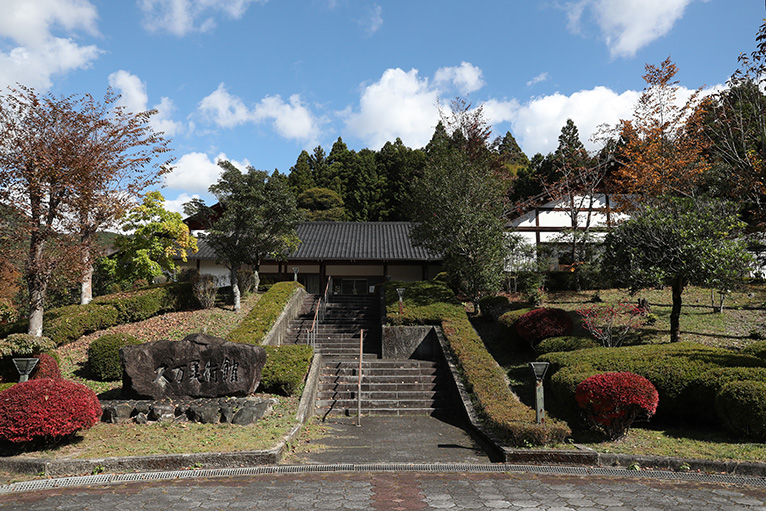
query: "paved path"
400, 492
407, 439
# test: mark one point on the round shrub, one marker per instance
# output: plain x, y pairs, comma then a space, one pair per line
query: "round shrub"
613, 401
756, 349
539, 324
566, 343
47, 367
704, 389
493, 306
741, 407
104, 355
47, 410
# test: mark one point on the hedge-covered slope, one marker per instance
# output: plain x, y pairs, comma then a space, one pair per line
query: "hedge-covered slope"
433, 303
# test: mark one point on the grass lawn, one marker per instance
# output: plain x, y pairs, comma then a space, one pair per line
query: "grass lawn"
743, 319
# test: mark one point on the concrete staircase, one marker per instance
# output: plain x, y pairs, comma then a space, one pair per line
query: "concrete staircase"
389, 387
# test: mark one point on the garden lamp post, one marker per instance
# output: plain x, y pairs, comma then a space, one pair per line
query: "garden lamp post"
400, 292
539, 369
295, 273
24, 366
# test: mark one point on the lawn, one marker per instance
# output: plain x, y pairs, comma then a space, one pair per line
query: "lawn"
742, 321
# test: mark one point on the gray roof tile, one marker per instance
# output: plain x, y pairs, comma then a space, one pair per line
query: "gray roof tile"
350, 241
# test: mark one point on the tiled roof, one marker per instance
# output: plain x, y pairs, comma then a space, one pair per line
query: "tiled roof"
350, 241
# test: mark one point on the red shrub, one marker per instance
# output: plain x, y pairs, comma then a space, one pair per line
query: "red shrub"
46, 409
612, 401
46, 367
539, 324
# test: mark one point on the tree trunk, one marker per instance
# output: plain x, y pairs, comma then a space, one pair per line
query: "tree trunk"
86, 286
256, 280
675, 313
37, 285
235, 290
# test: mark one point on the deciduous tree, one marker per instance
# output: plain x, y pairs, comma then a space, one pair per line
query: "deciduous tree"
661, 151
156, 237
67, 164
680, 242
257, 220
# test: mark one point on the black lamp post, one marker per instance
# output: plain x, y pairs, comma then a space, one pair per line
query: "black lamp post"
539, 369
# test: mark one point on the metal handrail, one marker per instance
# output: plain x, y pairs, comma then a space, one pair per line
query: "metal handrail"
359, 382
319, 314
311, 334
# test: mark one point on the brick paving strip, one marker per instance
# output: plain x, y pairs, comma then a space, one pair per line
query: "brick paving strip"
400, 492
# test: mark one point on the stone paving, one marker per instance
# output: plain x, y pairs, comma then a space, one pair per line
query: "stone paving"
400, 492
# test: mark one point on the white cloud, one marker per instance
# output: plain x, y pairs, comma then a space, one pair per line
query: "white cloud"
542, 77
466, 78
180, 17
36, 54
134, 98
224, 109
291, 120
177, 205
628, 25
400, 104
195, 172
537, 124
374, 19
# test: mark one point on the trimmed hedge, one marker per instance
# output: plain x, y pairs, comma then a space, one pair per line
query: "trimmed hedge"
756, 349
46, 409
741, 405
104, 355
67, 324
566, 343
433, 303
493, 306
672, 368
286, 368
267, 309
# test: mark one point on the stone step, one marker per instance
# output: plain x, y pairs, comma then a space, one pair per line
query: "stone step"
379, 387
380, 404
383, 412
383, 395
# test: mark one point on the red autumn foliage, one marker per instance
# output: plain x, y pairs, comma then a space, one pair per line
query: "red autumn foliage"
539, 324
613, 401
46, 367
46, 409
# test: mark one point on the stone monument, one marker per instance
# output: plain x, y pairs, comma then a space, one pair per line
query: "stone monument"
199, 366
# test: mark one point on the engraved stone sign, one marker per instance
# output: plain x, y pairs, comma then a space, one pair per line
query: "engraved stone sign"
200, 365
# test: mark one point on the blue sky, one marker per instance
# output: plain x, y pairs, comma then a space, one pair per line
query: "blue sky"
257, 81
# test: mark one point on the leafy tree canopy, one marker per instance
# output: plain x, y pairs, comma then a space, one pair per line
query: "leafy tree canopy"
677, 241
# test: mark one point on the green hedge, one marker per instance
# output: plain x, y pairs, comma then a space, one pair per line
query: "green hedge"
67, 324
286, 368
433, 303
674, 369
741, 405
756, 349
267, 309
104, 355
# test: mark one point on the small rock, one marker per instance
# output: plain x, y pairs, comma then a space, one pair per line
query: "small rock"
141, 418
